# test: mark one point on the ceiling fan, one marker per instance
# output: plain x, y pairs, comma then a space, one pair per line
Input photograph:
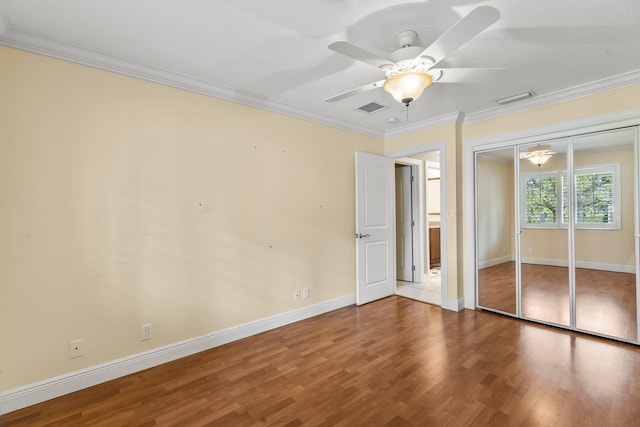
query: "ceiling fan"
538, 155
411, 69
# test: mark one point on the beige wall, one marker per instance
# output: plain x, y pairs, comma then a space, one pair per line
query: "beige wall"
615, 247
595, 105
125, 202
495, 211
430, 156
606, 246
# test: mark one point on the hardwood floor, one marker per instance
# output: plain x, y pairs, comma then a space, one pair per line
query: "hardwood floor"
545, 293
393, 362
605, 301
497, 287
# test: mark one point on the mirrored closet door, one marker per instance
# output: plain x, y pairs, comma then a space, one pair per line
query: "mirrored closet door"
543, 234
557, 232
604, 231
496, 248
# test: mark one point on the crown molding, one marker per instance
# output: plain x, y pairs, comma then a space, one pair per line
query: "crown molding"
616, 119
446, 119
22, 40
16, 38
579, 91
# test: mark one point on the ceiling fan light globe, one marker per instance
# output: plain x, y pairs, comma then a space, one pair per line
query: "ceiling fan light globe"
407, 86
539, 159
538, 154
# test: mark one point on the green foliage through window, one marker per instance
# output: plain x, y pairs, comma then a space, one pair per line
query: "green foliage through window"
542, 199
594, 197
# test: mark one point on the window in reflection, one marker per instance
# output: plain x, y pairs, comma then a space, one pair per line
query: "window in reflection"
604, 221
544, 241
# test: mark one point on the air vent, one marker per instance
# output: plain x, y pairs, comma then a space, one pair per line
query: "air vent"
371, 108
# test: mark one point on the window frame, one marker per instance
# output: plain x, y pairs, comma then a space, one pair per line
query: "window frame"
614, 169
561, 175
524, 177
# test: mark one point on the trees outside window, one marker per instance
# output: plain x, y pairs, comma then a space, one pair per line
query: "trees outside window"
542, 199
596, 198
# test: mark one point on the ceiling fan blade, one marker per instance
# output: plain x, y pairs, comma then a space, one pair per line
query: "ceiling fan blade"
478, 20
465, 75
361, 89
360, 54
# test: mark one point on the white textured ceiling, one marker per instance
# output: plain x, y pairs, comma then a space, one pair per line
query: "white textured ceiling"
274, 55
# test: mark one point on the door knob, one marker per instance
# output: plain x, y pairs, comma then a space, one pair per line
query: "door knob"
361, 236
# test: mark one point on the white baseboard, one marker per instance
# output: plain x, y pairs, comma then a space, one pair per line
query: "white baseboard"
455, 305
495, 261
616, 268
21, 397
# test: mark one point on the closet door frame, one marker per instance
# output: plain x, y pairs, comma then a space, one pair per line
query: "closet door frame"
569, 135
568, 166
514, 159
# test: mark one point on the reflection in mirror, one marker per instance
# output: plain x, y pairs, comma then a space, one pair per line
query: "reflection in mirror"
604, 224
544, 243
495, 225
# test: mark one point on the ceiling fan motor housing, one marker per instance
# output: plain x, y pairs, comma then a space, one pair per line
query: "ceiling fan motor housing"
407, 38
408, 59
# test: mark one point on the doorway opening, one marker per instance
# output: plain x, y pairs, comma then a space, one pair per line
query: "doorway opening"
418, 230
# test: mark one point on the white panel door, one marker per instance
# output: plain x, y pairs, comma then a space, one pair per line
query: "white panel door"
375, 273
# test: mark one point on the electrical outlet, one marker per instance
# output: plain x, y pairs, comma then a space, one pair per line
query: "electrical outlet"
145, 332
305, 293
76, 349
296, 295
530, 250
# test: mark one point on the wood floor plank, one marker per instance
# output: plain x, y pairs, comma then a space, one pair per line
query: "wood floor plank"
605, 300
394, 362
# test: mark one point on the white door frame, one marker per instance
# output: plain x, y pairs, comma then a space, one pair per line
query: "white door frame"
430, 165
437, 146
417, 169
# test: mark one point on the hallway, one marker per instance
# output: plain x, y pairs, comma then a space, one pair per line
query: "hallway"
428, 291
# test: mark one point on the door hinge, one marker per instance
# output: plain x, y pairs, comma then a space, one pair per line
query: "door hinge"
411, 178
413, 223
413, 268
